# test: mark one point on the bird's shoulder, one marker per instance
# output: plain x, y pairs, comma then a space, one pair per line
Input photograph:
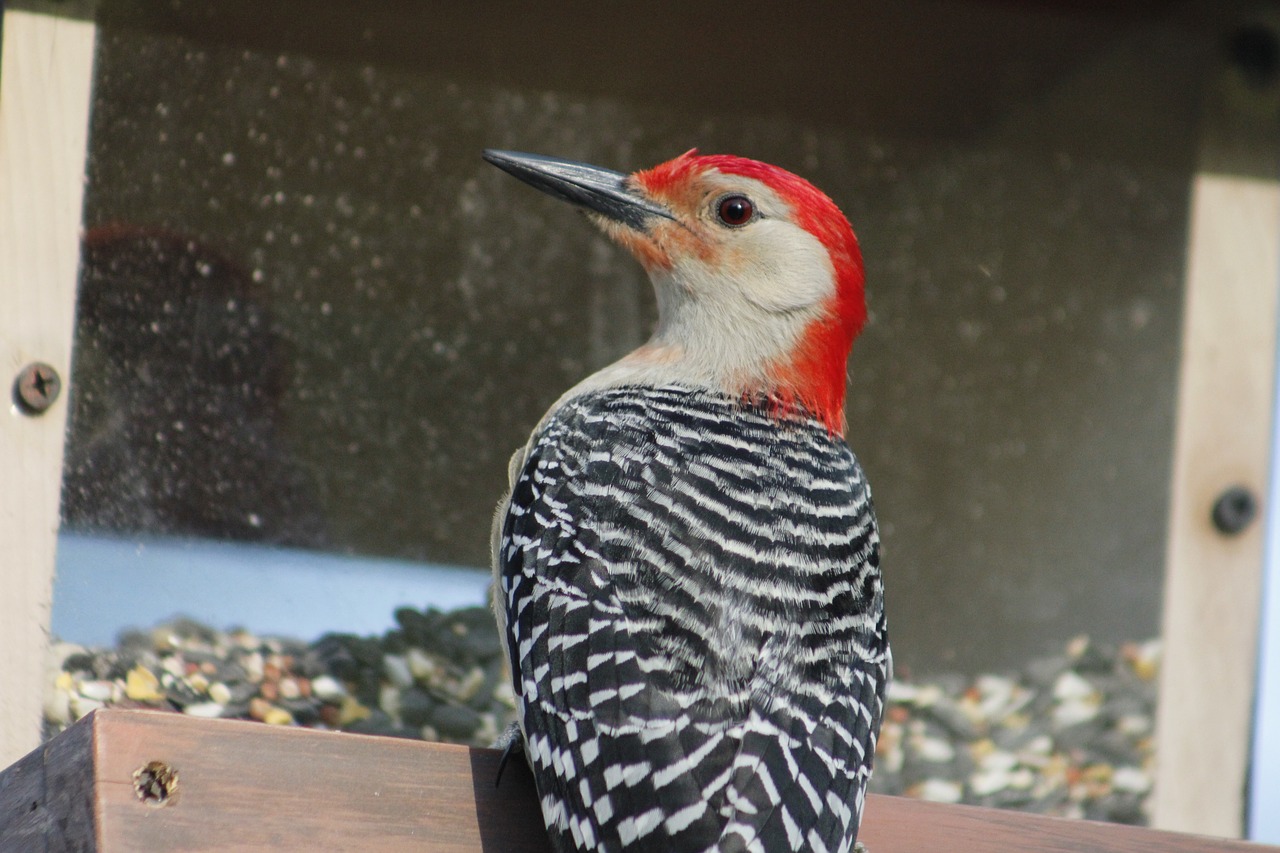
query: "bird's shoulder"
683, 422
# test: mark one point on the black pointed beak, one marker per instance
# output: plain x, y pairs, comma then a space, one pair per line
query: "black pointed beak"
601, 190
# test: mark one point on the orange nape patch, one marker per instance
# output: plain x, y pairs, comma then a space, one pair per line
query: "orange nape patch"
782, 405
814, 379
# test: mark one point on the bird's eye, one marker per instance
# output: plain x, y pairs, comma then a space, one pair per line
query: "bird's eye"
735, 210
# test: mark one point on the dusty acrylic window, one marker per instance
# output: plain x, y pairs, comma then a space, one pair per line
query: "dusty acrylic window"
180, 374
312, 317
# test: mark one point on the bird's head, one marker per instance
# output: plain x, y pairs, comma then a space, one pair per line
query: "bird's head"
758, 274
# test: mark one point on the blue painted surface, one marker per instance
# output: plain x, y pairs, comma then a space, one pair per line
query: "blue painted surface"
106, 584
1264, 783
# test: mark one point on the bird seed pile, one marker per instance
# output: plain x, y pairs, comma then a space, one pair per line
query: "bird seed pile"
1068, 735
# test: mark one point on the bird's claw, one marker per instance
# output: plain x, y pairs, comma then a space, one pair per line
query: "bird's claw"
511, 741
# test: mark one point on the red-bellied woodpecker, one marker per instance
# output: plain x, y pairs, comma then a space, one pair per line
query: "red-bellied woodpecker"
687, 566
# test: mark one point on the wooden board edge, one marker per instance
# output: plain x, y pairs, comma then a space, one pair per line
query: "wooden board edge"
46, 798
97, 806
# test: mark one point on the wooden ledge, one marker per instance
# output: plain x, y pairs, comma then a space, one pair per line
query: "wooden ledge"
144, 780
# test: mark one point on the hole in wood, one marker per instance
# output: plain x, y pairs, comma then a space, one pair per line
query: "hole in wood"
155, 783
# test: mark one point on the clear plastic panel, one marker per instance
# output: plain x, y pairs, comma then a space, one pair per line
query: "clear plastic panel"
311, 316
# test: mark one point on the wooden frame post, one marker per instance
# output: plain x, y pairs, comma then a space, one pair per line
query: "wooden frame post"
1223, 436
45, 80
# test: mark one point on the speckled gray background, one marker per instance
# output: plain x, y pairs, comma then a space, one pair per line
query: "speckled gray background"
1022, 208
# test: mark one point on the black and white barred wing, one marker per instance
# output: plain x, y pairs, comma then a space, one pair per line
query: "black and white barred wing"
698, 654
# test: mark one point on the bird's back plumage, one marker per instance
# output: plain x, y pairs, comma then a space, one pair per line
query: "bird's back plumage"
694, 616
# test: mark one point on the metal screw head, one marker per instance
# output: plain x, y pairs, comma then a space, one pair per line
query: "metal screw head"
156, 783
1234, 509
36, 388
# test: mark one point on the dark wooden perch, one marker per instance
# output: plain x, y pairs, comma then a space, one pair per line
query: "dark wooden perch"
139, 780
